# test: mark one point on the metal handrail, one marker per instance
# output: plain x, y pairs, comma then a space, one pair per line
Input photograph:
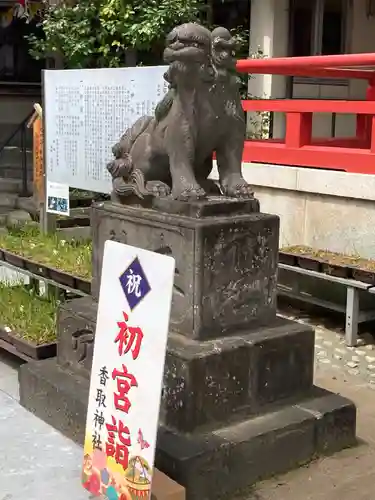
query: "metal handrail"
21, 127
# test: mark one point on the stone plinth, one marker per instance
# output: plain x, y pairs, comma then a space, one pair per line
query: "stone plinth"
226, 260
238, 402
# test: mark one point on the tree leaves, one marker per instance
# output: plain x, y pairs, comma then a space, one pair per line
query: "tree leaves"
96, 33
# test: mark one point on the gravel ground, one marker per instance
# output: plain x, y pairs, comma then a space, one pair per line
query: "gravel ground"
330, 347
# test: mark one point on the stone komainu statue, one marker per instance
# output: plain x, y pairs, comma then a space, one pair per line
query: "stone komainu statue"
171, 152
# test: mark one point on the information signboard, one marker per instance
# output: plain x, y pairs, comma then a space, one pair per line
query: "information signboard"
86, 112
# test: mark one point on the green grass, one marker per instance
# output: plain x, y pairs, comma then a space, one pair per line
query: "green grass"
50, 249
29, 316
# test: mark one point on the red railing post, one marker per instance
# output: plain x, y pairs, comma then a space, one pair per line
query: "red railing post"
364, 122
362, 127
372, 135
298, 129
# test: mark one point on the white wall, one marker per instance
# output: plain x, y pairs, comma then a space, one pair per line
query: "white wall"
269, 33
326, 210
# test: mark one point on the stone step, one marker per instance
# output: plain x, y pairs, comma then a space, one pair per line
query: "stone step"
12, 156
7, 130
15, 174
12, 186
11, 163
17, 167
8, 200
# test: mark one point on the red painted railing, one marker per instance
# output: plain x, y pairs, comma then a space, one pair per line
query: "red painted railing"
300, 148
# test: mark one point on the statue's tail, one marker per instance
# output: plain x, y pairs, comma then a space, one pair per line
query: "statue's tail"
125, 179
135, 184
123, 147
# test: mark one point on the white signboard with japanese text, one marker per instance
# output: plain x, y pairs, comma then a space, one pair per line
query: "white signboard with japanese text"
86, 113
127, 372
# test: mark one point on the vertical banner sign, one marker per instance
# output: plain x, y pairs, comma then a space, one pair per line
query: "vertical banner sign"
127, 372
38, 162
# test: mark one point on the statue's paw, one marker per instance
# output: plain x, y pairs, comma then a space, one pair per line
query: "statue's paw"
158, 188
242, 191
189, 193
237, 188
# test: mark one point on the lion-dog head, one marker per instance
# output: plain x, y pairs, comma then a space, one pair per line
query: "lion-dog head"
223, 49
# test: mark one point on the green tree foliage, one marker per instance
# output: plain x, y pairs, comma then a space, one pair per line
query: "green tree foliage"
96, 33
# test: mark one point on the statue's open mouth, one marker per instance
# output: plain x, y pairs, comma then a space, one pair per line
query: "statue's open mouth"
184, 54
185, 51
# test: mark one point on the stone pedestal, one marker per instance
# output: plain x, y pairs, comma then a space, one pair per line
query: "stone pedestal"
226, 260
238, 402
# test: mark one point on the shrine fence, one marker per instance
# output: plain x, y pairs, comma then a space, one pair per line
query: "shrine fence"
299, 148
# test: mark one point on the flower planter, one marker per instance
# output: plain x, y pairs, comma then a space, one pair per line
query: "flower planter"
330, 264
341, 271
13, 259
44, 271
83, 285
310, 263
363, 275
25, 348
35, 268
287, 258
61, 277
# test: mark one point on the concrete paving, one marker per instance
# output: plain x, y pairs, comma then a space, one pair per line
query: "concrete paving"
40, 463
43, 464
9, 376
348, 475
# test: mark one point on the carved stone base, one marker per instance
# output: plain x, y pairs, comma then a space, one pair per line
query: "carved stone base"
234, 410
210, 384
221, 462
226, 255
213, 462
238, 402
